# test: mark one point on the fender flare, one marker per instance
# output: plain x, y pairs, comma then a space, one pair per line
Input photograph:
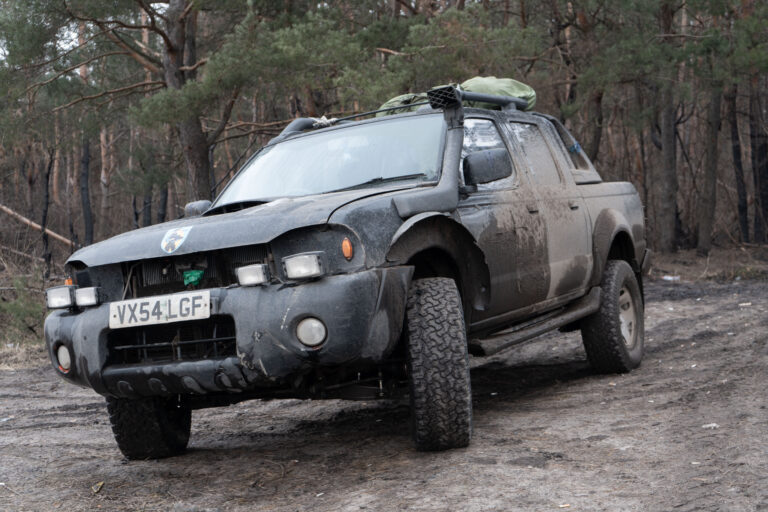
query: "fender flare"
435, 230
609, 224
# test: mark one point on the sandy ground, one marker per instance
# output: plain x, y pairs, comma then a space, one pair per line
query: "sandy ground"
686, 431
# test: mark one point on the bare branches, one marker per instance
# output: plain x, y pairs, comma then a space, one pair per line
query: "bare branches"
72, 68
152, 26
147, 61
160, 83
71, 50
196, 65
224, 117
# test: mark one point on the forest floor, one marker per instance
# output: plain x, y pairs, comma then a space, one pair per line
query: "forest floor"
685, 431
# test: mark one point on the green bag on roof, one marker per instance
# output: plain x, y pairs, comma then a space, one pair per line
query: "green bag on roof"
404, 100
498, 87
479, 84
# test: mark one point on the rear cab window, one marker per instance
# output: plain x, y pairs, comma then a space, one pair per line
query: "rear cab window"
536, 153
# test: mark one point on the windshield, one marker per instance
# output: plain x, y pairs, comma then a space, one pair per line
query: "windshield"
358, 156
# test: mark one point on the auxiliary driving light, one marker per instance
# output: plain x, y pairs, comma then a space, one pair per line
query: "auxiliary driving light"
60, 297
303, 266
311, 332
65, 360
87, 297
252, 275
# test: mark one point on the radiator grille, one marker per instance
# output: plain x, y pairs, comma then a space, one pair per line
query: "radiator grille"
166, 275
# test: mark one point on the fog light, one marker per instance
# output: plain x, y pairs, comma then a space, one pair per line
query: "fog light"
303, 266
311, 332
252, 275
87, 297
65, 361
59, 297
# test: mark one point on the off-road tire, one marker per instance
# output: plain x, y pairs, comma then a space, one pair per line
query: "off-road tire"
149, 428
601, 332
438, 366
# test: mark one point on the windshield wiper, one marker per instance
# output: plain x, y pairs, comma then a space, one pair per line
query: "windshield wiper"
376, 181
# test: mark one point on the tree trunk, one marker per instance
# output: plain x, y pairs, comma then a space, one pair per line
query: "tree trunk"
57, 161
162, 205
738, 166
104, 178
707, 200
596, 117
194, 143
136, 213
44, 220
665, 183
146, 208
759, 144
85, 199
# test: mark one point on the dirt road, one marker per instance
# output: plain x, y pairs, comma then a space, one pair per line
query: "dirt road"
686, 431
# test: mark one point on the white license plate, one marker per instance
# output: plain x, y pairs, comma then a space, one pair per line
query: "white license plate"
160, 310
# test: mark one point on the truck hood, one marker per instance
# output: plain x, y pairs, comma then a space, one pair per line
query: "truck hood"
256, 225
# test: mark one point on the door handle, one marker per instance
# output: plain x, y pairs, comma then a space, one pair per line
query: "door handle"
532, 208
573, 205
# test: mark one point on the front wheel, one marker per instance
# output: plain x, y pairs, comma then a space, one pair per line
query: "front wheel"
149, 428
438, 366
613, 336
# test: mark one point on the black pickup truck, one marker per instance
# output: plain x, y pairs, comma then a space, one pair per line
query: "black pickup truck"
359, 260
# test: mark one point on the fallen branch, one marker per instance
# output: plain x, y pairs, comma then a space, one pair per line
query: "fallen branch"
22, 254
36, 226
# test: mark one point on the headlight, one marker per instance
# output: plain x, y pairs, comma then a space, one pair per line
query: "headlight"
60, 297
252, 275
303, 266
87, 297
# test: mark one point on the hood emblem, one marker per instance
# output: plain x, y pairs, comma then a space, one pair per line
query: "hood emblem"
174, 238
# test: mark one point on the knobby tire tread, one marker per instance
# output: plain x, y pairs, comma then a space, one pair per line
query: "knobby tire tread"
438, 362
601, 331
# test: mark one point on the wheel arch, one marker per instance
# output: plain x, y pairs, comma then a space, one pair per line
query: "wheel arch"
612, 239
439, 246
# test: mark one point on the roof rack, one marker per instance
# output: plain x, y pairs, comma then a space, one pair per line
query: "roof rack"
452, 97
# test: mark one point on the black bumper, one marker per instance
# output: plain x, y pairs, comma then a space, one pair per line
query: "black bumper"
363, 313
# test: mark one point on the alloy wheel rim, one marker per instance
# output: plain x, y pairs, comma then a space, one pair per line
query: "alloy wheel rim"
627, 317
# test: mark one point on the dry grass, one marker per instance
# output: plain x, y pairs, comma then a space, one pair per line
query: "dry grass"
721, 264
22, 312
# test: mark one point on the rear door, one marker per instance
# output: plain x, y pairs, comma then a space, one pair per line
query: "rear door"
568, 245
504, 216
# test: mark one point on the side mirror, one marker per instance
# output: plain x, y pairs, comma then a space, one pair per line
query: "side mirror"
486, 166
196, 208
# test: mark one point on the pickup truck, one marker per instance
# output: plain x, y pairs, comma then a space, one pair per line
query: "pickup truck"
358, 259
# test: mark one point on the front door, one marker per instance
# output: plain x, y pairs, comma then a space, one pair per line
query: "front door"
505, 218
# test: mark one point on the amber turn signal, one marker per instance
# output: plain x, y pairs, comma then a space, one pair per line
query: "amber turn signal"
347, 249
68, 281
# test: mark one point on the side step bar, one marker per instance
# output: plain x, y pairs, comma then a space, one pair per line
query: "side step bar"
517, 334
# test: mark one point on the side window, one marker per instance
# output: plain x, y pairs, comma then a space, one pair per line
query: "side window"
536, 152
480, 134
575, 153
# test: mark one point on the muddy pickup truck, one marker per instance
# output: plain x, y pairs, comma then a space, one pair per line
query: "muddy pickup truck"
358, 259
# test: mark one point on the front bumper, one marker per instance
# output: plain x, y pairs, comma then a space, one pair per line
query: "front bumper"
363, 313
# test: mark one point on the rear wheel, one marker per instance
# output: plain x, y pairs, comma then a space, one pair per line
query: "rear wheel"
149, 428
438, 366
613, 336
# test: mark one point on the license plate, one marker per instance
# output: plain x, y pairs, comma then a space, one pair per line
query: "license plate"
160, 310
